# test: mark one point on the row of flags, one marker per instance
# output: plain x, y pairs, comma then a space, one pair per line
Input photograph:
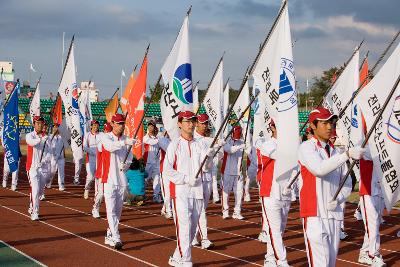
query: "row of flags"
273, 73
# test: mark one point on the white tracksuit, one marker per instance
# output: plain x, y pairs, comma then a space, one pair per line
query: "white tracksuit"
370, 206
114, 179
152, 159
90, 142
207, 185
163, 142
232, 179
320, 177
215, 192
6, 172
57, 159
37, 174
275, 206
98, 185
182, 161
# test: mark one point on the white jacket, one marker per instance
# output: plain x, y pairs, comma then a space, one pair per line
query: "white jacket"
90, 142
320, 178
207, 175
117, 149
36, 144
232, 159
57, 147
151, 149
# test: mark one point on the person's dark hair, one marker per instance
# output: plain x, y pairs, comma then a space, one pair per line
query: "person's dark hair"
137, 164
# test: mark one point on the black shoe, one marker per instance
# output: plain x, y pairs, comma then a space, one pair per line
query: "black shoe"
118, 245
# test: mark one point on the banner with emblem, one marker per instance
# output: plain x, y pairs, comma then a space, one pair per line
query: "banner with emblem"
213, 98
68, 91
177, 76
384, 143
85, 110
11, 130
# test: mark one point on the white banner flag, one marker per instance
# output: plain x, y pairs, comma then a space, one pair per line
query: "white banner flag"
384, 142
214, 97
85, 110
68, 90
34, 108
177, 76
241, 104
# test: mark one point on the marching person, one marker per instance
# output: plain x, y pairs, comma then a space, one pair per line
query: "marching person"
57, 158
322, 169
230, 170
98, 185
216, 160
275, 205
152, 160
90, 142
37, 161
182, 162
166, 210
200, 134
115, 149
6, 170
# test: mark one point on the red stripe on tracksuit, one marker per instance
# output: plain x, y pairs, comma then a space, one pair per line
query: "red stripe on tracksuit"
177, 228
106, 159
269, 230
308, 193
146, 153
29, 157
99, 164
365, 216
308, 243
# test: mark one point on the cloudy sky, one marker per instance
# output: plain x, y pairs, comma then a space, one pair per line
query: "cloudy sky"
112, 35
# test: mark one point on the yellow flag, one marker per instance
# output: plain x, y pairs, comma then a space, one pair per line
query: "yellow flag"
111, 108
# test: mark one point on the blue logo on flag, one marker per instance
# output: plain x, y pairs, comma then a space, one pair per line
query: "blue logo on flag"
11, 130
182, 83
393, 124
287, 93
354, 121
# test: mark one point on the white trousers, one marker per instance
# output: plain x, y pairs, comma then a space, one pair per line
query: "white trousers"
165, 194
114, 198
186, 216
275, 213
90, 170
59, 166
322, 237
153, 171
232, 183
202, 225
247, 186
37, 182
370, 207
78, 168
98, 193
6, 172
215, 187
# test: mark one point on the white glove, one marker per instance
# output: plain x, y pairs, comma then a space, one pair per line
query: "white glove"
39, 165
193, 180
210, 152
286, 191
356, 152
241, 147
332, 205
129, 141
221, 142
44, 138
124, 166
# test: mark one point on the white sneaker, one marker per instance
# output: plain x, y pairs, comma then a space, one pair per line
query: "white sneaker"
61, 188
364, 258
42, 197
4, 183
157, 199
30, 210
247, 198
216, 201
173, 262
357, 215
263, 237
76, 181
195, 242
237, 216
168, 215
108, 240
283, 264
343, 235
270, 262
34, 216
13, 187
95, 213
398, 234
377, 261
48, 185
206, 244
86, 194
225, 216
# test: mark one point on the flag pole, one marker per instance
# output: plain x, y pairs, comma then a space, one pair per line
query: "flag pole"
370, 73
212, 78
371, 130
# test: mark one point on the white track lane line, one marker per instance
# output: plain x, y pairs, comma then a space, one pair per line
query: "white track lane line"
80, 237
144, 231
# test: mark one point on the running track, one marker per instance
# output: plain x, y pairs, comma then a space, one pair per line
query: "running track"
67, 235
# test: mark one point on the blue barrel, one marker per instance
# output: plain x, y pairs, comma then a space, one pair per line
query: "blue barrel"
136, 182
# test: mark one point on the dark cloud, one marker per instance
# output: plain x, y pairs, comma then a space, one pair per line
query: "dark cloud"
250, 8
311, 32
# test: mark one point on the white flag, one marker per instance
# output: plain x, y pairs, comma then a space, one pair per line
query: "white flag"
196, 104
213, 99
34, 108
32, 68
384, 142
123, 73
177, 76
68, 90
241, 104
274, 78
85, 110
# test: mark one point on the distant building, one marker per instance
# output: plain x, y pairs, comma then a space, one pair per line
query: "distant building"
93, 91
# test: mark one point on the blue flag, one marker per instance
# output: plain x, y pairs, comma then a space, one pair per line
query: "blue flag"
11, 130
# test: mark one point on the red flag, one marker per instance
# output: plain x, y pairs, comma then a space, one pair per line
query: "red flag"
127, 92
135, 109
57, 111
364, 74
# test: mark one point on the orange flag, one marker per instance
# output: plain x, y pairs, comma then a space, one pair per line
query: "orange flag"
127, 92
111, 108
364, 74
57, 111
135, 109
